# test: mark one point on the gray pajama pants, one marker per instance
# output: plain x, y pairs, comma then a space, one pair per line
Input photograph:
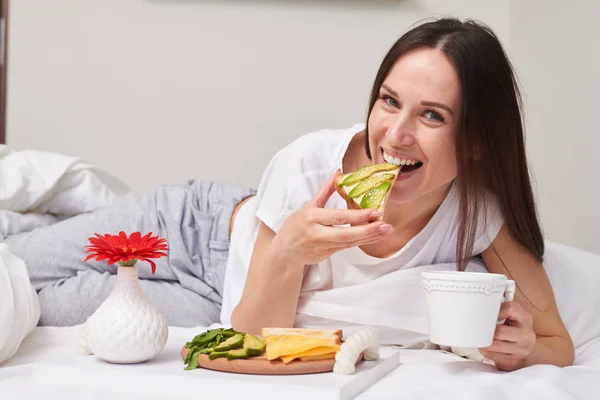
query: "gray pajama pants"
187, 287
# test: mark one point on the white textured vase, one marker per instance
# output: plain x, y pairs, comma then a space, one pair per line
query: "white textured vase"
126, 328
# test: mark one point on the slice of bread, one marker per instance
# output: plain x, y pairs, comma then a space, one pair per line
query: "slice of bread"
369, 187
335, 334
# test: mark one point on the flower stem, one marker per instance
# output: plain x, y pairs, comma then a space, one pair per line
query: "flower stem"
128, 263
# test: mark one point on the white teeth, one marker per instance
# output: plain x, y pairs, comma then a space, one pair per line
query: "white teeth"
398, 161
390, 159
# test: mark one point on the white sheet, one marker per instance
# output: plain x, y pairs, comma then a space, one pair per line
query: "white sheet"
47, 359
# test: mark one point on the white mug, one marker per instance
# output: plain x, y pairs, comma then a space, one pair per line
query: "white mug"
463, 307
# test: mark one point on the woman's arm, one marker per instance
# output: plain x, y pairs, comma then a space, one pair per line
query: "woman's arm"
535, 333
272, 288
308, 236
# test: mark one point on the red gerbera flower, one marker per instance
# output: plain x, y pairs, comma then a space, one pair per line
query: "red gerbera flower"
126, 251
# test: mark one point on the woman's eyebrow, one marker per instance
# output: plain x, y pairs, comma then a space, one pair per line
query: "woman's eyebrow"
389, 89
425, 103
438, 105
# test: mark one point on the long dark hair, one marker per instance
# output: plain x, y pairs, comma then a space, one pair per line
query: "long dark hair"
490, 149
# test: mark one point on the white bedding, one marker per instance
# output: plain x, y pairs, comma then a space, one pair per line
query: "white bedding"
47, 365
19, 306
42, 182
39, 188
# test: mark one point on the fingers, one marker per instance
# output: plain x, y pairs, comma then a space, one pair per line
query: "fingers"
355, 235
506, 355
507, 333
504, 362
328, 217
517, 315
325, 191
498, 358
510, 347
365, 242
501, 346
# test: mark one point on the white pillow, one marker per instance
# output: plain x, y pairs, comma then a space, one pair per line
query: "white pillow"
33, 181
19, 305
575, 278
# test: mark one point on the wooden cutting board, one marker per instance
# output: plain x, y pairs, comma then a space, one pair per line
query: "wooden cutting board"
261, 366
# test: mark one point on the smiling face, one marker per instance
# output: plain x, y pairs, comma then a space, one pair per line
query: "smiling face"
413, 123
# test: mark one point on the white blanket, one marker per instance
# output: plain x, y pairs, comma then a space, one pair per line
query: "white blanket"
47, 366
48, 186
39, 188
394, 304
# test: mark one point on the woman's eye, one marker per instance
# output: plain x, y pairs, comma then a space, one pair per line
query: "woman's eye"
389, 100
434, 116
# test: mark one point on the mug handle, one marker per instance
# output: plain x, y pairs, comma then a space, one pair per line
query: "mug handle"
509, 295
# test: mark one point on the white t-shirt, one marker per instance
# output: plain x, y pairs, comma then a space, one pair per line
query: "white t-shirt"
292, 178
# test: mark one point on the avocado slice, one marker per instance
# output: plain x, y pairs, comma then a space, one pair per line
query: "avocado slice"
372, 199
207, 350
367, 171
253, 345
233, 342
237, 354
369, 184
217, 354
230, 332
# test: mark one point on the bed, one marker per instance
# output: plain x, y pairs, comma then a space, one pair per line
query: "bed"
42, 361
47, 365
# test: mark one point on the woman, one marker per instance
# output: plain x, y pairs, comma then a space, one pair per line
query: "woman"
445, 105
445, 96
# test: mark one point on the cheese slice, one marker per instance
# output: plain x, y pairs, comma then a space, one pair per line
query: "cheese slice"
295, 345
286, 338
317, 351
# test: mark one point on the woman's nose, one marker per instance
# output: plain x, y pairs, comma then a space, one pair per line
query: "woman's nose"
402, 131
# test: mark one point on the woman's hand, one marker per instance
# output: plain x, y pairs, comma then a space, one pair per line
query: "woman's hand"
514, 340
309, 235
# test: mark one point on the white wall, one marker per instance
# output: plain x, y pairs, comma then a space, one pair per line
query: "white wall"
158, 91
554, 47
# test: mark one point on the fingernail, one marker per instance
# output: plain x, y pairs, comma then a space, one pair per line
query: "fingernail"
385, 229
375, 214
